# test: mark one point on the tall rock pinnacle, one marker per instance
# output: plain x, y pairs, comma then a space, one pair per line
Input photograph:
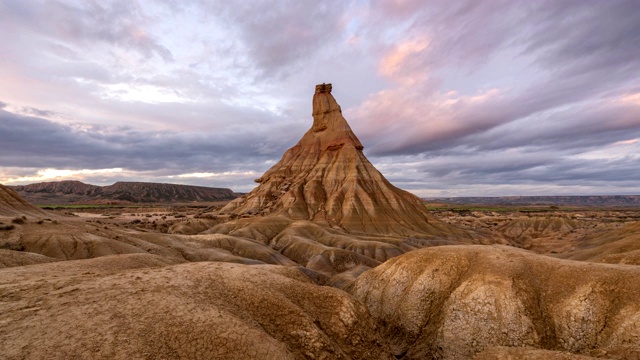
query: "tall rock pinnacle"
325, 178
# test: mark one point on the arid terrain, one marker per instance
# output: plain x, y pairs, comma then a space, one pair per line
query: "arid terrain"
324, 259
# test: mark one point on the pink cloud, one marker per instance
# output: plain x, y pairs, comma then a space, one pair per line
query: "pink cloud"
417, 116
405, 62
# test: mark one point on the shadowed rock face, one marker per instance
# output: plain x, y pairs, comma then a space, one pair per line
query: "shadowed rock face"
72, 191
11, 204
325, 178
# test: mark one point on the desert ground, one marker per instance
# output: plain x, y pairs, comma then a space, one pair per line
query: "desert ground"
324, 259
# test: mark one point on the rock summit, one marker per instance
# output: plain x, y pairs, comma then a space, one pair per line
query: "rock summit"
327, 179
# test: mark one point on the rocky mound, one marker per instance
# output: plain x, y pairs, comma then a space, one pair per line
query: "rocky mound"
453, 302
11, 204
616, 246
10, 258
326, 179
71, 191
197, 311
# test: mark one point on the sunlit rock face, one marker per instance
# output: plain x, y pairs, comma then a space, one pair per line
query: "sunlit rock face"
326, 178
454, 302
146, 306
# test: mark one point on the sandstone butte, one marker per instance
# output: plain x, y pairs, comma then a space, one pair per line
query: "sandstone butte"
325, 178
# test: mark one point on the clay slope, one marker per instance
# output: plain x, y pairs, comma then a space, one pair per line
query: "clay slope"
71, 191
617, 246
11, 204
325, 178
143, 307
452, 302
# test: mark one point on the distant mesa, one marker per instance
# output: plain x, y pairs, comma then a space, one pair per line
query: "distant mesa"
72, 191
325, 178
589, 201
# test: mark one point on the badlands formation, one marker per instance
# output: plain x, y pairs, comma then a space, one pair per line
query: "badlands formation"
324, 259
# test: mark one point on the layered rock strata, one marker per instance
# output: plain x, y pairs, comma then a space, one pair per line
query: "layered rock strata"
326, 178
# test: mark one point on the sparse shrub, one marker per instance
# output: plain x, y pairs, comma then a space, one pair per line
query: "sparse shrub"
12, 246
7, 227
206, 216
18, 220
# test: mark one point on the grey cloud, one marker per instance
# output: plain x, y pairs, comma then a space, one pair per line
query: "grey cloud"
32, 142
575, 129
468, 168
84, 23
585, 35
114, 22
279, 35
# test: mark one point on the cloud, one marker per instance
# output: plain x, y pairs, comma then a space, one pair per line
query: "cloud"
560, 112
88, 24
279, 36
57, 174
38, 143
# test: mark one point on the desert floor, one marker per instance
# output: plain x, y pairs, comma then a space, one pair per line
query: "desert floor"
154, 282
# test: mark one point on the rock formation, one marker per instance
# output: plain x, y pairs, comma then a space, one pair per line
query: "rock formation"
325, 178
452, 302
143, 306
11, 204
71, 191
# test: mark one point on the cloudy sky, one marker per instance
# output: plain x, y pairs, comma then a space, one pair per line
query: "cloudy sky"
449, 98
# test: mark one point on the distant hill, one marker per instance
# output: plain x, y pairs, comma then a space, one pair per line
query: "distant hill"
597, 200
72, 191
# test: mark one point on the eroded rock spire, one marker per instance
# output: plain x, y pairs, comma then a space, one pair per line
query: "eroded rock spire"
325, 178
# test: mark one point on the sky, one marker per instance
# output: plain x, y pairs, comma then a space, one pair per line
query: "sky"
449, 98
